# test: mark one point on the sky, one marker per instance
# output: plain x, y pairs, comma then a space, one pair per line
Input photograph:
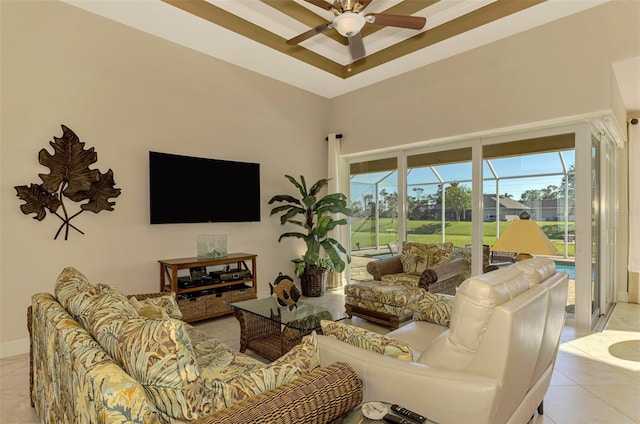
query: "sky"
537, 167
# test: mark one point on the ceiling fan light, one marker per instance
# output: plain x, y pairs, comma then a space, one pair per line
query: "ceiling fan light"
348, 23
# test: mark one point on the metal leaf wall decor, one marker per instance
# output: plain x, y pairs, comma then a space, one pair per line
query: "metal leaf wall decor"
70, 178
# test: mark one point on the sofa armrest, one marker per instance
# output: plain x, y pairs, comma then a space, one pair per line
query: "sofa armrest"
65, 359
444, 278
441, 395
386, 266
321, 396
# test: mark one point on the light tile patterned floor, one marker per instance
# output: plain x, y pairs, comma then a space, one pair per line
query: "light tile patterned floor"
596, 378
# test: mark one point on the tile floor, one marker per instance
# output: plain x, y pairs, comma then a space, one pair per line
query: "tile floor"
596, 378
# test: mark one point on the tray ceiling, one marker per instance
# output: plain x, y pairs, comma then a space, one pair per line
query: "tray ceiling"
252, 34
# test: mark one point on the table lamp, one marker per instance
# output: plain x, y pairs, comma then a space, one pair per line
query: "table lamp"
524, 237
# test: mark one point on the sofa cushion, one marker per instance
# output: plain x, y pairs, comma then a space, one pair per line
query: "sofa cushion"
244, 386
472, 307
435, 308
537, 269
164, 306
159, 355
216, 360
385, 293
368, 340
402, 279
416, 257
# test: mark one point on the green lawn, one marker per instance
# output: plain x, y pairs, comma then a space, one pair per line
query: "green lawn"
459, 233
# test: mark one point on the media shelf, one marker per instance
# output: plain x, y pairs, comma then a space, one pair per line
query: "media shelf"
208, 300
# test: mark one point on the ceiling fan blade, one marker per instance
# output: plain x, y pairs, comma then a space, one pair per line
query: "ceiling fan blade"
308, 34
364, 3
356, 47
321, 3
400, 21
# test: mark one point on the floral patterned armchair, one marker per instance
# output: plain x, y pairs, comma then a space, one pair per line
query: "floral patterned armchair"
437, 267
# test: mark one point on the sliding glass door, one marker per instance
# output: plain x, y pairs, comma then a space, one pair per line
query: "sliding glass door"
469, 192
604, 223
439, 197
373, 189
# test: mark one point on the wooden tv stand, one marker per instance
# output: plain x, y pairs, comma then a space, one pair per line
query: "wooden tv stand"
207, 301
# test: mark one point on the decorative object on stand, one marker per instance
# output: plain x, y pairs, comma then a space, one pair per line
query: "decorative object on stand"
286, 291
210, 246
70, 177
524, 238
317, 222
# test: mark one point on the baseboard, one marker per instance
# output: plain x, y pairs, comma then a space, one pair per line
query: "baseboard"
16, 347
623, 296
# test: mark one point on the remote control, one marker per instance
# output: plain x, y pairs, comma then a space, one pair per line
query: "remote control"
408, 413
390, 418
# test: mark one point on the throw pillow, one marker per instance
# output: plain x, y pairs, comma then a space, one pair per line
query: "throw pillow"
72, 285
158, 353
104, 314
98, 301
164, 306
414, 257
438, 253
435, 308
368, 340
461, 252
227, 393
304, 356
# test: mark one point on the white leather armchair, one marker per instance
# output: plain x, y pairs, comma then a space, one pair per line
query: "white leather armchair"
493, 365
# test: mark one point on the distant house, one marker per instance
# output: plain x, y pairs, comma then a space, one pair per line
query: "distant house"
550, 210
508, 211
540, 210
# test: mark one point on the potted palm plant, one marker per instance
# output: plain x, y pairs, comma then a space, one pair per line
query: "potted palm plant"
312, 213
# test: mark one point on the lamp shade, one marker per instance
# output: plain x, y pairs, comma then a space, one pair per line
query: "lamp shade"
349, 23
524, 236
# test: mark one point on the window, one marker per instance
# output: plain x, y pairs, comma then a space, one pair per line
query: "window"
439, 197
373, 192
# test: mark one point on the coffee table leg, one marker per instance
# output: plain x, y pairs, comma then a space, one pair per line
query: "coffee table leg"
258, 334
241, 315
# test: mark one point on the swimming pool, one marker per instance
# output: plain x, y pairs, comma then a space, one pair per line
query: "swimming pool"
381, 256
568, 267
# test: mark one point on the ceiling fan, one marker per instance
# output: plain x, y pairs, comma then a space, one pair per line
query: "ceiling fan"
350, 19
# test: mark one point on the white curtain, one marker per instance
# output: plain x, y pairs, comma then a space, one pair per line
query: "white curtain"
634, 212
336, 185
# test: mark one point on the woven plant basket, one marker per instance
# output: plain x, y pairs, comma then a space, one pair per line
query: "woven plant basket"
314, 281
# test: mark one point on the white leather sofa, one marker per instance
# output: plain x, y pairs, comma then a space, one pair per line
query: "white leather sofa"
493, 365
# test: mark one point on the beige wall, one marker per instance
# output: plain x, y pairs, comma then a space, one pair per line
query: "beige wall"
125, 93
558, 70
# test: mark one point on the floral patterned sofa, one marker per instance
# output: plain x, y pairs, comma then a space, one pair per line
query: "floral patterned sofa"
100, 357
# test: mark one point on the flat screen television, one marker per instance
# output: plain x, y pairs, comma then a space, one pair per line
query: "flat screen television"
186, 189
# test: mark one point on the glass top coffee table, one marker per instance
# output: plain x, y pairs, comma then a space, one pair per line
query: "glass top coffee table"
271, 330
